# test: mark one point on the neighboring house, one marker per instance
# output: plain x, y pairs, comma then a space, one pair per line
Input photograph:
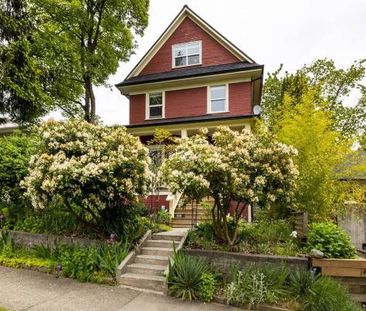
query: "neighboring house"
353, 170
8, 128
191, 78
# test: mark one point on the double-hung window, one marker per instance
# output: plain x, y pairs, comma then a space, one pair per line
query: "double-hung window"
155, 105
187, 54
217, 99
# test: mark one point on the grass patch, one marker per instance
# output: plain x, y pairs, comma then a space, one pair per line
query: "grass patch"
45, 265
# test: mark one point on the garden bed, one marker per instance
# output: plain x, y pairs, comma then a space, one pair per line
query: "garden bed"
87, 263
224, 261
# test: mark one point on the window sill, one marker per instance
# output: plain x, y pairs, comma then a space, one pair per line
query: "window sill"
157, 118
192, 65
215, 112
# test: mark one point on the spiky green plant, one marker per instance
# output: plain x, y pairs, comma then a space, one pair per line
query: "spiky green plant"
185, 276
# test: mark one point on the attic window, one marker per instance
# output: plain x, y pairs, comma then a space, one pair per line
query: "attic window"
187, 54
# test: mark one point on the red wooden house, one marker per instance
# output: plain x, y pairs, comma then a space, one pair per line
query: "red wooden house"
192, 77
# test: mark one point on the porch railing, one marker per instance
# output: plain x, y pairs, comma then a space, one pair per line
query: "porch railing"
173, 200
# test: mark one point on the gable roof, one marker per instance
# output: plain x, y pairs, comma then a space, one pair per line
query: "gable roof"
353, 167
186, 12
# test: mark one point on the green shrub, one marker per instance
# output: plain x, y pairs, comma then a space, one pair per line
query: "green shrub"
319, 293
266, 237
6, 243
82, 263
333, 241
265, 231
15, 153
111, 255
257, 284
95, 171
51, 221
207, 287
163, 217
92, 263
188, 276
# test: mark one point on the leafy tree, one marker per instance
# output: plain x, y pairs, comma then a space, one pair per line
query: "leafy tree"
320, 150
91, 37
52, 53
33, 80
96, 172
332, 89
236, 169
20, 94
15, 153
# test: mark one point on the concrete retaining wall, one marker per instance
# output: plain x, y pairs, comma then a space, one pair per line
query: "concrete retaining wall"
27, 239
224, 261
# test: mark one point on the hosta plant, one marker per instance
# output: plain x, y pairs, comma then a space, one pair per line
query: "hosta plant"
330, 239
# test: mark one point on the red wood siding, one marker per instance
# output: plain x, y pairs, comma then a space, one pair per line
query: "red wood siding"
186, 103
137, 109
154, 203
213, 53
240, 98
193, 102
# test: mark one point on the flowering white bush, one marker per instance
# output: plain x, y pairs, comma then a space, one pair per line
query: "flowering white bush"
235, 168
91, 168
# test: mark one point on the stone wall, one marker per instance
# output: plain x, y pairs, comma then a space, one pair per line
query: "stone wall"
27, 239
224, 261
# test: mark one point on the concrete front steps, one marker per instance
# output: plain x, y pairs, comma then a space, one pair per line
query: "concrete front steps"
188, 217
146, 271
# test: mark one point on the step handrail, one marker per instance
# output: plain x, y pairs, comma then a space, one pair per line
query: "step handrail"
173, 200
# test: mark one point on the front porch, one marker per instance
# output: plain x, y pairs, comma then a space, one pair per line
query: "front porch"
161, 197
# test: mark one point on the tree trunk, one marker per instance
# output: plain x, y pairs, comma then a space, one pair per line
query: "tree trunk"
92, 104
89, 107
87, 102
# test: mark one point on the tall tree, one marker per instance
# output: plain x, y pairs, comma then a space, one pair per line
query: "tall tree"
33, 73
338, 91
320, 150
92, 36
19, 82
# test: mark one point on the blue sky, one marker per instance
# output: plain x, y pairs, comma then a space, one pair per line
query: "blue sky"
292, 32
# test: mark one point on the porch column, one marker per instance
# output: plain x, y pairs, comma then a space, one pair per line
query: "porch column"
249, 216
183, 133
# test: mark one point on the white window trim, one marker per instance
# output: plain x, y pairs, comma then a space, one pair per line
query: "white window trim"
226, 98
185, 44
147, 105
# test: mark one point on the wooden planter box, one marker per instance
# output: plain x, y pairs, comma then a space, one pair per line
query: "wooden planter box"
341, 267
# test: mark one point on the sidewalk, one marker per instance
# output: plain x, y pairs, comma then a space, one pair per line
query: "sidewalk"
30, 290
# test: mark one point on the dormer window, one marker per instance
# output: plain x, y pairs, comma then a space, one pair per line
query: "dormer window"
155, 105
187, 54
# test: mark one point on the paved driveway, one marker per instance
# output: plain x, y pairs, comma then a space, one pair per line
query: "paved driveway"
35, 291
